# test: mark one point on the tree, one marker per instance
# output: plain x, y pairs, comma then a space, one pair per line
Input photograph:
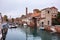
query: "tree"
58, 15
22, 15
36, 10
12, 19
5, 18
56, 21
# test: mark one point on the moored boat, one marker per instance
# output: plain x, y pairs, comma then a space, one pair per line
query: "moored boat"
53, 29
41, 28
25, 25
57, 29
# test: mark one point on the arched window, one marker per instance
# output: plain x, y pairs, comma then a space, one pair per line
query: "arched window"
55, 15
48, 22
42, 24
48, 12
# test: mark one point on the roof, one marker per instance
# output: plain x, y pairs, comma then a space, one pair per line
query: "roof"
45, 9
35, 14
49, 8
37, 10
54, 7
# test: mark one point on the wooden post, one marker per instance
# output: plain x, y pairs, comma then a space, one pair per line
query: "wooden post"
4, 33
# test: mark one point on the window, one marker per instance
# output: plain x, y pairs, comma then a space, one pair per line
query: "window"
48, 11
52, 15
55, 15
48, 22
42, 24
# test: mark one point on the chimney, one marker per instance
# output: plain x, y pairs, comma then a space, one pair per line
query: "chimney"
26, 10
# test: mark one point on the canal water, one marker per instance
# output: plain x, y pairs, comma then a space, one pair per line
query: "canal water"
23, 34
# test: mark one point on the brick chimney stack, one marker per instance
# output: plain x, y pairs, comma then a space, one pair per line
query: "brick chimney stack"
26, 10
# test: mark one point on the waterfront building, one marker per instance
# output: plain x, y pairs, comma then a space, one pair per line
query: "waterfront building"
47, 15
44, 16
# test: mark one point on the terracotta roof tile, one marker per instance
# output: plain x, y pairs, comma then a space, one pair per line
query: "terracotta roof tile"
35, 14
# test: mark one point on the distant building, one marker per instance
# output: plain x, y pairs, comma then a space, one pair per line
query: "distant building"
26, 18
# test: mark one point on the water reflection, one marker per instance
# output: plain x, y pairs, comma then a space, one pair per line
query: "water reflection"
55, 36
45, 35
4, 33
20, 34
15, 34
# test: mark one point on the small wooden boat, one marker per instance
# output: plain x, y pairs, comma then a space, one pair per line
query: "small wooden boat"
16, 25
42, 28
12, 26
25, 25
53, 29
57, 29
48, 29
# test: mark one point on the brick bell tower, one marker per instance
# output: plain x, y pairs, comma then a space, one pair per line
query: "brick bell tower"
26, 10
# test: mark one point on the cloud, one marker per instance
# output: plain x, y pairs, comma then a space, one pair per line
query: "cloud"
18, 6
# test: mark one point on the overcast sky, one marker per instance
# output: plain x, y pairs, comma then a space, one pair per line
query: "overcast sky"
15, 8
